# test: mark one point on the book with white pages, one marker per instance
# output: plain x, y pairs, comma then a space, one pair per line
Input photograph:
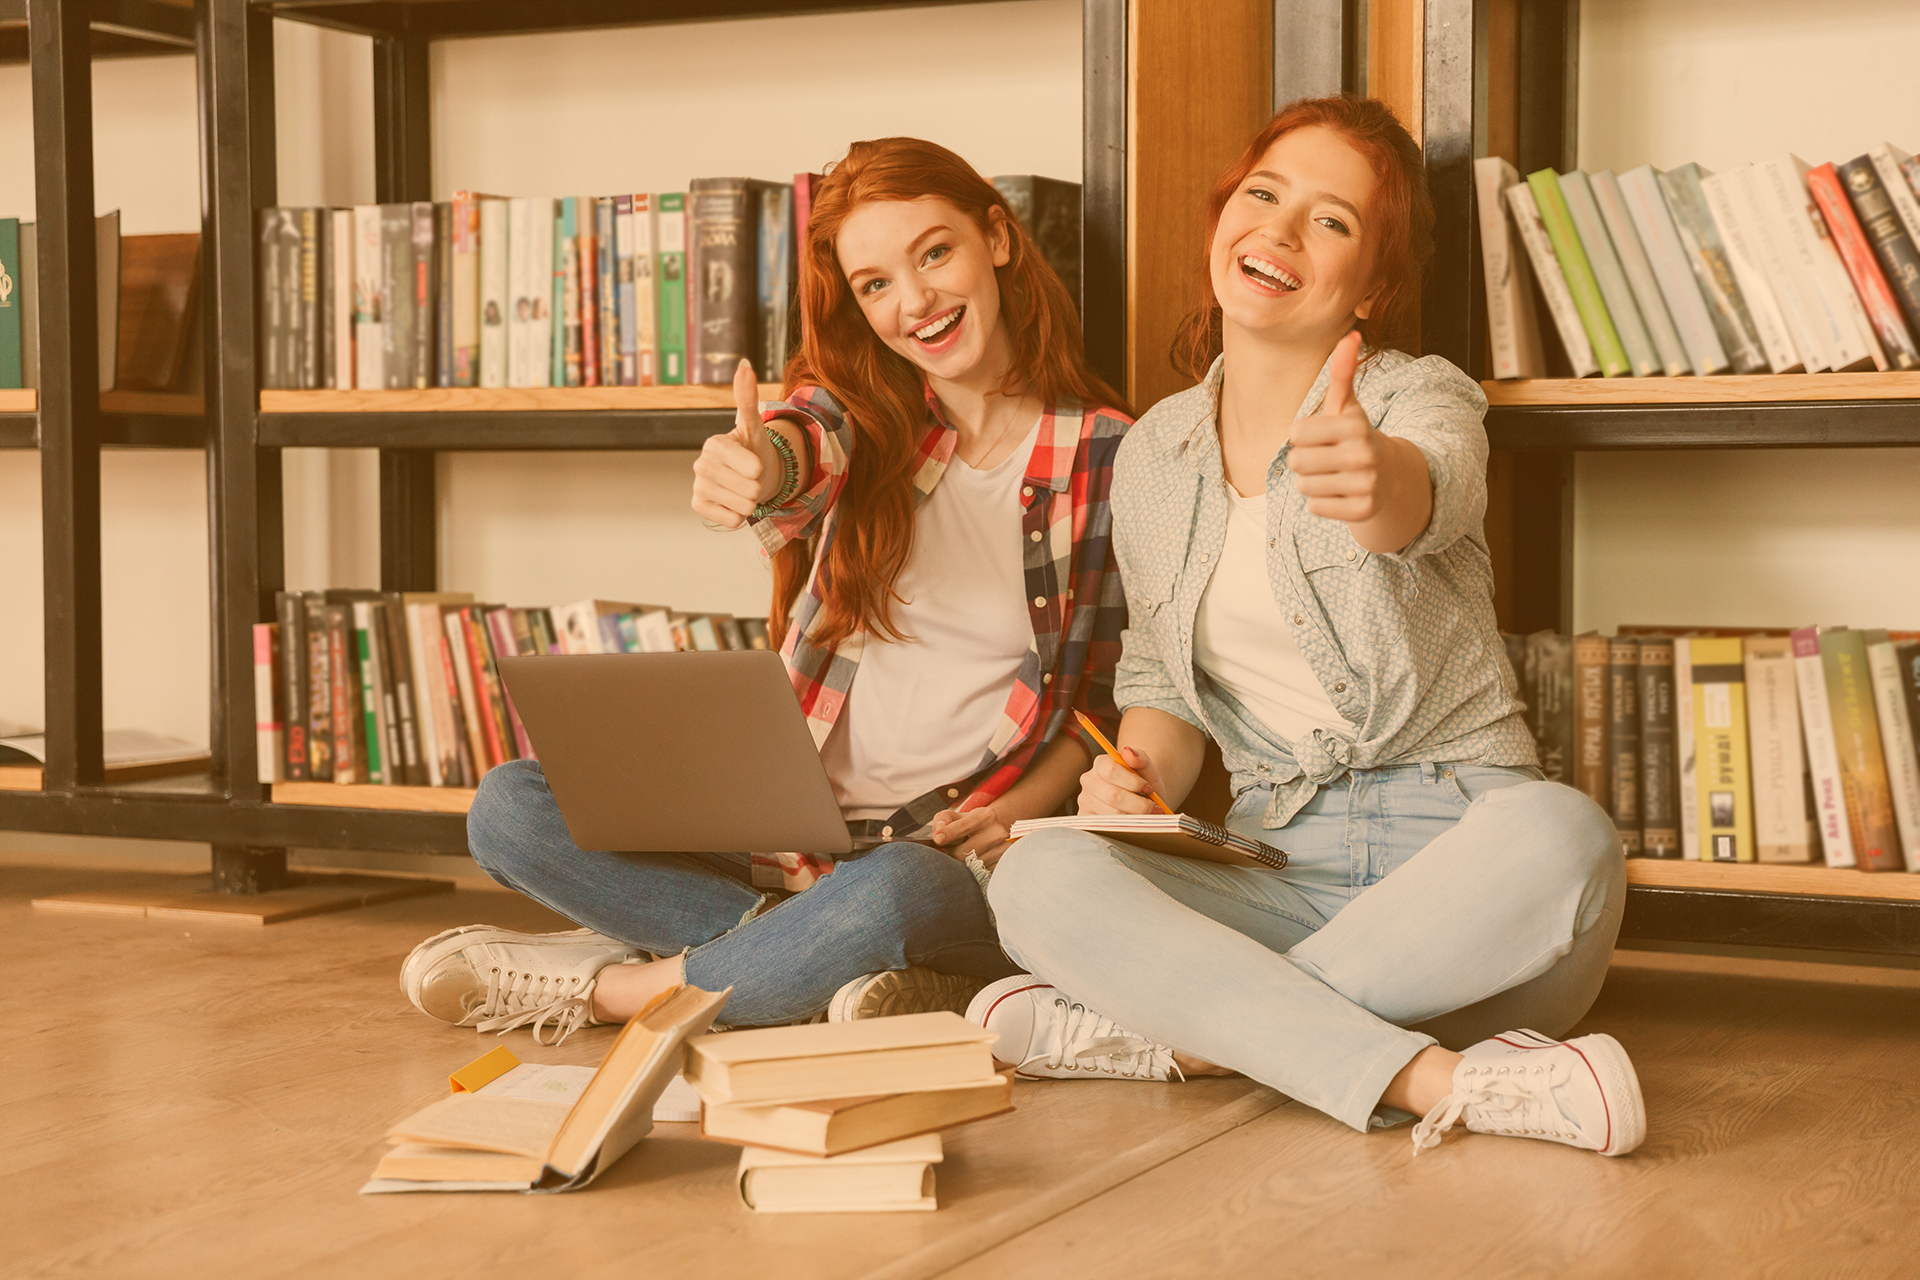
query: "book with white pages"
1179, 834
1780, 187
1736, 220
1791, 273
1553, 281
894, 1177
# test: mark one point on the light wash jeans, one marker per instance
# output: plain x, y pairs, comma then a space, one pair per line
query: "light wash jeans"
897, 905
1420, 904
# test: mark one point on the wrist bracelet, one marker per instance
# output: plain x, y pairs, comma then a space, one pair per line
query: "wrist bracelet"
789, 478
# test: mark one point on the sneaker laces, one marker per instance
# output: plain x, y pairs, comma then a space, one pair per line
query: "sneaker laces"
518, 997
1086, 1037
1514, 1100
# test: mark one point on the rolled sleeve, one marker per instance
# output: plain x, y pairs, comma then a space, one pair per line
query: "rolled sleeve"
1442, 413
830, 444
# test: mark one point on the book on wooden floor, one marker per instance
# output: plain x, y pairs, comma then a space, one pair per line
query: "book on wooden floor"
510, 1141
835, 1126
1179, 834
890, 1178
913, 1053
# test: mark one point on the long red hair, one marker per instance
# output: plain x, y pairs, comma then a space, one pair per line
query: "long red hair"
1400, 216
884, 394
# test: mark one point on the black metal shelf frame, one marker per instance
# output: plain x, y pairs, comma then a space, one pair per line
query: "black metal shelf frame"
1791, 424
118, 29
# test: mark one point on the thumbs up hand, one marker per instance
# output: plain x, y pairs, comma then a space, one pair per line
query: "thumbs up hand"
1378, 484
737, 471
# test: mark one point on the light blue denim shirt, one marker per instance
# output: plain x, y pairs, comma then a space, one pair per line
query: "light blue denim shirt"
1404, 644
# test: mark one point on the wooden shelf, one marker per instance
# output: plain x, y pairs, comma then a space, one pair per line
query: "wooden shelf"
19, 400
445, 18
507, 399
332, 795
1771, 388
1767, 877
168, 404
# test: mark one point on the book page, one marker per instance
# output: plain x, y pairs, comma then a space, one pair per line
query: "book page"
519, 1126
539, 1082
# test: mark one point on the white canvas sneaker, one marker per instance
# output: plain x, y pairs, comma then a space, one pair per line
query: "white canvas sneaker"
440, 943
1048, 1035
897, 991
1525, 1085
481, 979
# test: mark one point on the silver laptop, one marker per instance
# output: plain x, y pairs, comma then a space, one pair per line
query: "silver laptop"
677, 752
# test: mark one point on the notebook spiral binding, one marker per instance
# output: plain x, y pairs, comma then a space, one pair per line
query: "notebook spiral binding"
1214, 833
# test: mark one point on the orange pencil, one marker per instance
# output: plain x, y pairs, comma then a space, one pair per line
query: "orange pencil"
1113, 754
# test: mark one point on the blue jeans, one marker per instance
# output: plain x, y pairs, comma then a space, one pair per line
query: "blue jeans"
897, 905
1420, 904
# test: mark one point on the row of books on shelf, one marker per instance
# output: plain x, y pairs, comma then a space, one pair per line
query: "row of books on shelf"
637, 290
148, 310
1736, 745
1778, 266
403, 688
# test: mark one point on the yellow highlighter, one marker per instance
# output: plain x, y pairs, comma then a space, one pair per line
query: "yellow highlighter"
1113, 754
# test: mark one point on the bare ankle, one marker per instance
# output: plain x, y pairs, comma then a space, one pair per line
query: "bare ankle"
1192, 1066
622, 990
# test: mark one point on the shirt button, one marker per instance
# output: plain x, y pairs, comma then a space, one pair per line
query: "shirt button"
1047, 678
1035, 535
1039, 602
887, 832
1299, 620
1446, 773
1340, 688
1350, 555
1027, 492
952, 792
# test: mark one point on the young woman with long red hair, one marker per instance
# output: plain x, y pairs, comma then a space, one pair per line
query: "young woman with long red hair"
933, 495
1300, 537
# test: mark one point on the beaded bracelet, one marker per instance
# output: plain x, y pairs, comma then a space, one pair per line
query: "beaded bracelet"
789, 479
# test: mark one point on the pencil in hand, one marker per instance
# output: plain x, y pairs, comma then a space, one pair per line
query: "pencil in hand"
1113, 754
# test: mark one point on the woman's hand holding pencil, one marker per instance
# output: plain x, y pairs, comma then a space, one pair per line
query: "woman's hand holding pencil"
1122, 779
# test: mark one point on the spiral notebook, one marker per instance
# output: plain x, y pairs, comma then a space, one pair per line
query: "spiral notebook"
1179, 834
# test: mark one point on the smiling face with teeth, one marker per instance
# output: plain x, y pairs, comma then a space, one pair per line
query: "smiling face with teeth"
1291, 262
923, 273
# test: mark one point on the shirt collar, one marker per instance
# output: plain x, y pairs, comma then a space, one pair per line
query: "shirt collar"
1049, 465
1199, 433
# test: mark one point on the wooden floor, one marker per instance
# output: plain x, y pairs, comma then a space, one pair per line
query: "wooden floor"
206, 1102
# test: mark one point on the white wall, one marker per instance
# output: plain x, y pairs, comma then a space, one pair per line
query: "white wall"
1767, 538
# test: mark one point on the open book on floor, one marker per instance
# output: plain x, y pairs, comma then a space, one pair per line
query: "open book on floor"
882, 1179
835, 1126
523, 1131
1180, 834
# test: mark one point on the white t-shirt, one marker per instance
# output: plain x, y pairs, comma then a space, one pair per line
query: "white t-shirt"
921, 711
1242, 640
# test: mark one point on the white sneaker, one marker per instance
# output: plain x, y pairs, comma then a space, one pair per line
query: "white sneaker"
436, 946
1048, 1035
897, 991
1581, 1092
485, 980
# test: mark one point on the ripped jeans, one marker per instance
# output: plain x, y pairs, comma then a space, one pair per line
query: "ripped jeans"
897, 905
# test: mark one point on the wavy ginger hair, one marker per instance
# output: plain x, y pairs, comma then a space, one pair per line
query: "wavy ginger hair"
1399, 220
884, 394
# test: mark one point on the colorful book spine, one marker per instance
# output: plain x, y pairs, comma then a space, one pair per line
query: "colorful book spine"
1781, 187
1685, 759
722, 304
464, 295
776, 276
1590, 774
465, 682
12, 368
267, 717
671, 320
291, 610
587, 273
495, 301
1856, 740
1873, 206
1733, 222
1612, 357
343, 680
480, 662
402, 702
1693, 222
1513, 328
1659, 811
566, 268
1597, 243
1638, 269
306, 301
1863, 268
500, 631
319, 694
606, 293
1896, 742
1783, 829
373, 713
1720, 747
1823, 758
627, 359
27, 292
1623, 740
1553, 281
426, 296
646, 293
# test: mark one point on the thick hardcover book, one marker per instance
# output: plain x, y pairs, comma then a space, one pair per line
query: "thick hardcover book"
397, 291
279, 290
1823, 757
1549, 691
775, 1066
626, 355
1547, 197
835, 1126
1659, 773
777, 279
340, 242
1780, 186
1873, 206
403, 704
1513, 329
1050, 211
1640, 191
671, 319
1783, 828
1615, 291
291, 609
1623, 740
529, 285
1856, 740
442, 284
1707, 258
1612, 204
11, 277
464, 295
606, 291
317, 667
306, 301
1720, 747
1590, 717
1863, 268
370, 299
1896, 741
1735, 218
426, 295
1553, 281
495, 301
723, 302
268, 717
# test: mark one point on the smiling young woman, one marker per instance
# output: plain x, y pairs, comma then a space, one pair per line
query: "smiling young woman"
933, 495
1308, 585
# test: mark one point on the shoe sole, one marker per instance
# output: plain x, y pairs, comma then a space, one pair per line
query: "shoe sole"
902, 991
422, 957
1619, 1087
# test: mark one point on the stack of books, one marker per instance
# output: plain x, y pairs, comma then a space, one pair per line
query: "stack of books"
402, 688
1778, 267
1736, 745
844, 1117
630, 290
